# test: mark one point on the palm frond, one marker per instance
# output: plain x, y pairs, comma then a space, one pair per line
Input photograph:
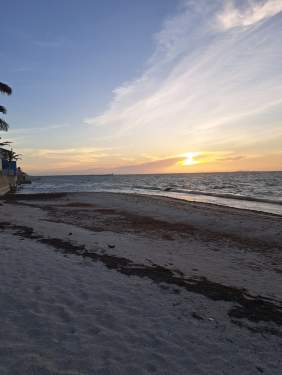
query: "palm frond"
3, 109
5, 89
3, 125
5, 142
12, 155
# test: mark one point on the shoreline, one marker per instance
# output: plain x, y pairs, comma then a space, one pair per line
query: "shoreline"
13, 196
114, 268
226, 200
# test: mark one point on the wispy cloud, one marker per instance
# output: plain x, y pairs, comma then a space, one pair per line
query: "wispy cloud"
50, 43
37, 129
201, 77
76, 154
178, 163
65, 158
89, 160
254, 12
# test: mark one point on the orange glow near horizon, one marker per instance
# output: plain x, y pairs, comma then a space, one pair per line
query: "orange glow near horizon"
82, 160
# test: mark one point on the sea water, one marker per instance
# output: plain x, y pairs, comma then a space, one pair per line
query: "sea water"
261, 191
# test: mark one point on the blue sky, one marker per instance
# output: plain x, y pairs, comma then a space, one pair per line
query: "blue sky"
120, 85
64, 58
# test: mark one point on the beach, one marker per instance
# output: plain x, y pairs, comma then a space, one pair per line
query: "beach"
115, 283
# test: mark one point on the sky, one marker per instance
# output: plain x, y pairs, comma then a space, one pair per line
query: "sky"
151, 86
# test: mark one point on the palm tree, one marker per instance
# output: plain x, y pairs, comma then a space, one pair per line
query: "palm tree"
5, 89
13, 155
4, 143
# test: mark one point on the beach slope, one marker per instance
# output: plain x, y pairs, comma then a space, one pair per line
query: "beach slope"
104, 283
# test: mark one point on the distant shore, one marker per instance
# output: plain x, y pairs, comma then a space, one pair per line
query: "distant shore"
107, 281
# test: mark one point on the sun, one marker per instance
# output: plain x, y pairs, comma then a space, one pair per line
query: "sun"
189, 158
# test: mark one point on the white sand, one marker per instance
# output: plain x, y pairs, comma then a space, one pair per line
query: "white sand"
63, 311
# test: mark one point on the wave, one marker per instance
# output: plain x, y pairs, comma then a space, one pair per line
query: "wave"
146, 187
227, 196
171, 189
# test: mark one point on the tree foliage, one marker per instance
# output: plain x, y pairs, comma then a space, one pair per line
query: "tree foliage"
5, 89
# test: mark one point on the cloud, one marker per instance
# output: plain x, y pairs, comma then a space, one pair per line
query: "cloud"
174, 163
231, 158
36, 129
50, 43
150, 167
200, 78
22, 69
100, 161
68, 158
75, 153
255, 11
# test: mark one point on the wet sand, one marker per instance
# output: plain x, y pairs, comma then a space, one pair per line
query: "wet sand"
119, 283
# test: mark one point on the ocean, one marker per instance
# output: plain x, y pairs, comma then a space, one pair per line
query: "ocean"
260, 191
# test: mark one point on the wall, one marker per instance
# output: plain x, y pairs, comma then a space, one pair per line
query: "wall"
4, 185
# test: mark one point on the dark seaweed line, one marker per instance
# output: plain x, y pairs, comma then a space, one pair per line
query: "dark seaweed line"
182, 228
253, 308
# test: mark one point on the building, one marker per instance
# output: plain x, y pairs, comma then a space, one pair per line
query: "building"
8, 172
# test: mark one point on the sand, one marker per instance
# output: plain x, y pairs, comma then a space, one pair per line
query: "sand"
104, 283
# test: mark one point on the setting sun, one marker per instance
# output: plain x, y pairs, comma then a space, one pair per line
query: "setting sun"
190, 158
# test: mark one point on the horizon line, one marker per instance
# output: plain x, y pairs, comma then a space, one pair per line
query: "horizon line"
142, 174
